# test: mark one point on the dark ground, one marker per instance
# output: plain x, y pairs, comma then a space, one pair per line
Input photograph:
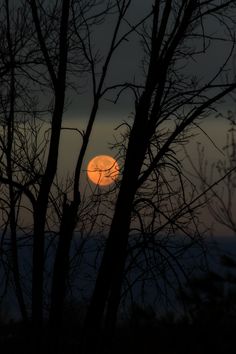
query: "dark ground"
155, 338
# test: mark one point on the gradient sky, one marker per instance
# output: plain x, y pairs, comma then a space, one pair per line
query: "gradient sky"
126, 66
103, 135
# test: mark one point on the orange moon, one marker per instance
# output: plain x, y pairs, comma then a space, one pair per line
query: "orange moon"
103, 170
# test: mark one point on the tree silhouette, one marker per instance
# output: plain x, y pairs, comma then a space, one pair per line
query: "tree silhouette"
47, 49
164, 94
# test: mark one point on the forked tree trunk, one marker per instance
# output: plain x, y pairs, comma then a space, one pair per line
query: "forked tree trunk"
58, 80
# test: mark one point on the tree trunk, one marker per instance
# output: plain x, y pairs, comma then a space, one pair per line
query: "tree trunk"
109, 280
9, 150
60, 273
37, 274
58, 80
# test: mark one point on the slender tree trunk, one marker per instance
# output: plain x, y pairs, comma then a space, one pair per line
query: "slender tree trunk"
109, 280
14, 249
38, 267
61, 264
40, 211
10, 137
60, 273
40, 214
15, 264
58, 79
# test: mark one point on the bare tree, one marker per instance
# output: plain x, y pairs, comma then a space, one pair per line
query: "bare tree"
60, 33
151, 198
220, 175
167, 93
14, 38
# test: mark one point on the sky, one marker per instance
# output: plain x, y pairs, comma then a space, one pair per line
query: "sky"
127, 66
104, 132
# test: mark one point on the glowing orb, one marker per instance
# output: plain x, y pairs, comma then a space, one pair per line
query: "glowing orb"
103, 170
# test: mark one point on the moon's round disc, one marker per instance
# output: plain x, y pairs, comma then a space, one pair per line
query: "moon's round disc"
103, 170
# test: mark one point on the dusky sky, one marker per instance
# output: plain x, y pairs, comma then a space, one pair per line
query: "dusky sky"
127, 66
